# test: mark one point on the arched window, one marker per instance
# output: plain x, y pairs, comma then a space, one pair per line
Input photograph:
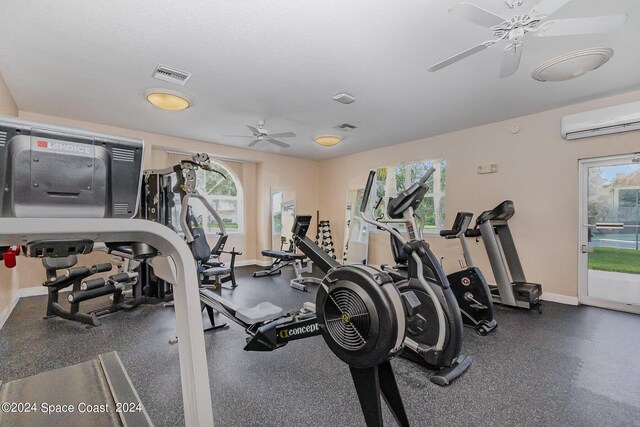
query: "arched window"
224, 194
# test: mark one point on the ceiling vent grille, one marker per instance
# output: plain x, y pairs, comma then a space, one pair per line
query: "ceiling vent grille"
171, 75
3, 138
345, 127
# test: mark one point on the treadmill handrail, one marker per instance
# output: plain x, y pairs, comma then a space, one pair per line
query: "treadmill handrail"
196, 392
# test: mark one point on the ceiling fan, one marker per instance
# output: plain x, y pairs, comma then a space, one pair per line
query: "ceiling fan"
514, 29
261, 134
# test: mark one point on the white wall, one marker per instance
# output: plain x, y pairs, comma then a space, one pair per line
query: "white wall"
538, 170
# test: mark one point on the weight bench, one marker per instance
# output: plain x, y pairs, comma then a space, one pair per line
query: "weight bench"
282, 259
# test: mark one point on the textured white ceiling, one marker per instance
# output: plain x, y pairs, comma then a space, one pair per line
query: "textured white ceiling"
283, 60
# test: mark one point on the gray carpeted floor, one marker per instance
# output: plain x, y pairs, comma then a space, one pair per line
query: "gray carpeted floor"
569, 366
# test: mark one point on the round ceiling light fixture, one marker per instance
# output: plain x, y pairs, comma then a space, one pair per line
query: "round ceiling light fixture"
327, 140
167, 99
572, 64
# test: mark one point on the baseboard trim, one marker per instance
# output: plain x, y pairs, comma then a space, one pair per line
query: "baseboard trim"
562, 299
245, 262
4, 316
33, 291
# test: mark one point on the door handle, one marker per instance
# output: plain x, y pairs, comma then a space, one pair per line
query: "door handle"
609, 225
586, 249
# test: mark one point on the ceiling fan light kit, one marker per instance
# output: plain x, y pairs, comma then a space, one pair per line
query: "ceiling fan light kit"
167, 99
327, 140
572, 64
515, 29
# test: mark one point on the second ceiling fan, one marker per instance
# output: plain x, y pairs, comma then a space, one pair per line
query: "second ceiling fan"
514, 29
261, 134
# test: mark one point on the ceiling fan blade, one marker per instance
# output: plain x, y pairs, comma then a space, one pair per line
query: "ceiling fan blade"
461, 55
283, 135
477, 15
579, 26
237, 136
278, 143
548, 7
254, 130
252, 143
510, 60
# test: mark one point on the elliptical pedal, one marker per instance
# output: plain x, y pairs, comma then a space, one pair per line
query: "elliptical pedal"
447, 375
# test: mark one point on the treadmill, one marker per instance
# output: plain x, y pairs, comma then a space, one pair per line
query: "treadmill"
511, 288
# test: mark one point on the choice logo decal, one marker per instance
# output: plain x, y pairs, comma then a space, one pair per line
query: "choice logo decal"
64, 146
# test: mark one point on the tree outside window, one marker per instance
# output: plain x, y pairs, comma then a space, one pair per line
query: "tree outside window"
392, 180
224, 195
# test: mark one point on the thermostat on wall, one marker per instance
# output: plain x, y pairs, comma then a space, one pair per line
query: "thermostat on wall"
493, 168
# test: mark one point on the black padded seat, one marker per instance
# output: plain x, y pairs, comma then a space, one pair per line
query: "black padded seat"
59, 263
283, 255
216, 271
213, 262
260, 313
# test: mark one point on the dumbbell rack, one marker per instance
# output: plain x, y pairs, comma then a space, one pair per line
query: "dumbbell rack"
324, 239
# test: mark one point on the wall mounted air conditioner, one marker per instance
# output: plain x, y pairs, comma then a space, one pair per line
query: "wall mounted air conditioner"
620, 118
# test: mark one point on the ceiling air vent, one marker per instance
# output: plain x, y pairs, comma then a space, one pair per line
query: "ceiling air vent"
3, 139
345, 127
171, 75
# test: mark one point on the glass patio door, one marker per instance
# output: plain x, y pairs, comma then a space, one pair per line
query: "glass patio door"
609, 233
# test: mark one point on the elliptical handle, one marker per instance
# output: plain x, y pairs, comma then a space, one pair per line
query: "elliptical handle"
427, 174
367, 191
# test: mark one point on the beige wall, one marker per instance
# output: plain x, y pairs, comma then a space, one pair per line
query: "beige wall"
538, 170
7, 105
259, 173
8, 278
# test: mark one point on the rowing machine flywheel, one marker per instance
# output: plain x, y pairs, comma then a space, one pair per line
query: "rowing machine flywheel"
361, 315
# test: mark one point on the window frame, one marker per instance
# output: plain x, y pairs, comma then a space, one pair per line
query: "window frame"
238, 198
431, 231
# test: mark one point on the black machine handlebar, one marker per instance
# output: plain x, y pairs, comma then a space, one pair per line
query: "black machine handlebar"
409, 198
460, 226
427, 174
367, 191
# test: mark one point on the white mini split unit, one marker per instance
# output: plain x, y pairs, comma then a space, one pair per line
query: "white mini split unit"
605, 121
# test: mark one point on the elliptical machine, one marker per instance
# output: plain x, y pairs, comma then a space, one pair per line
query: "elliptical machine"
435, 329
469, 285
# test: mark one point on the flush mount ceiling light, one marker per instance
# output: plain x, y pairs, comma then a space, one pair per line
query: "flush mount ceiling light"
344, 98
572, 64
327, 140
167, 99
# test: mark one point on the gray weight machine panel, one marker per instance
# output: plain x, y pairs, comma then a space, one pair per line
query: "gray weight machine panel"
98, 392
49, 171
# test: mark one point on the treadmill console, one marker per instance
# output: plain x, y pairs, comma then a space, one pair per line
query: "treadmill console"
49, 171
